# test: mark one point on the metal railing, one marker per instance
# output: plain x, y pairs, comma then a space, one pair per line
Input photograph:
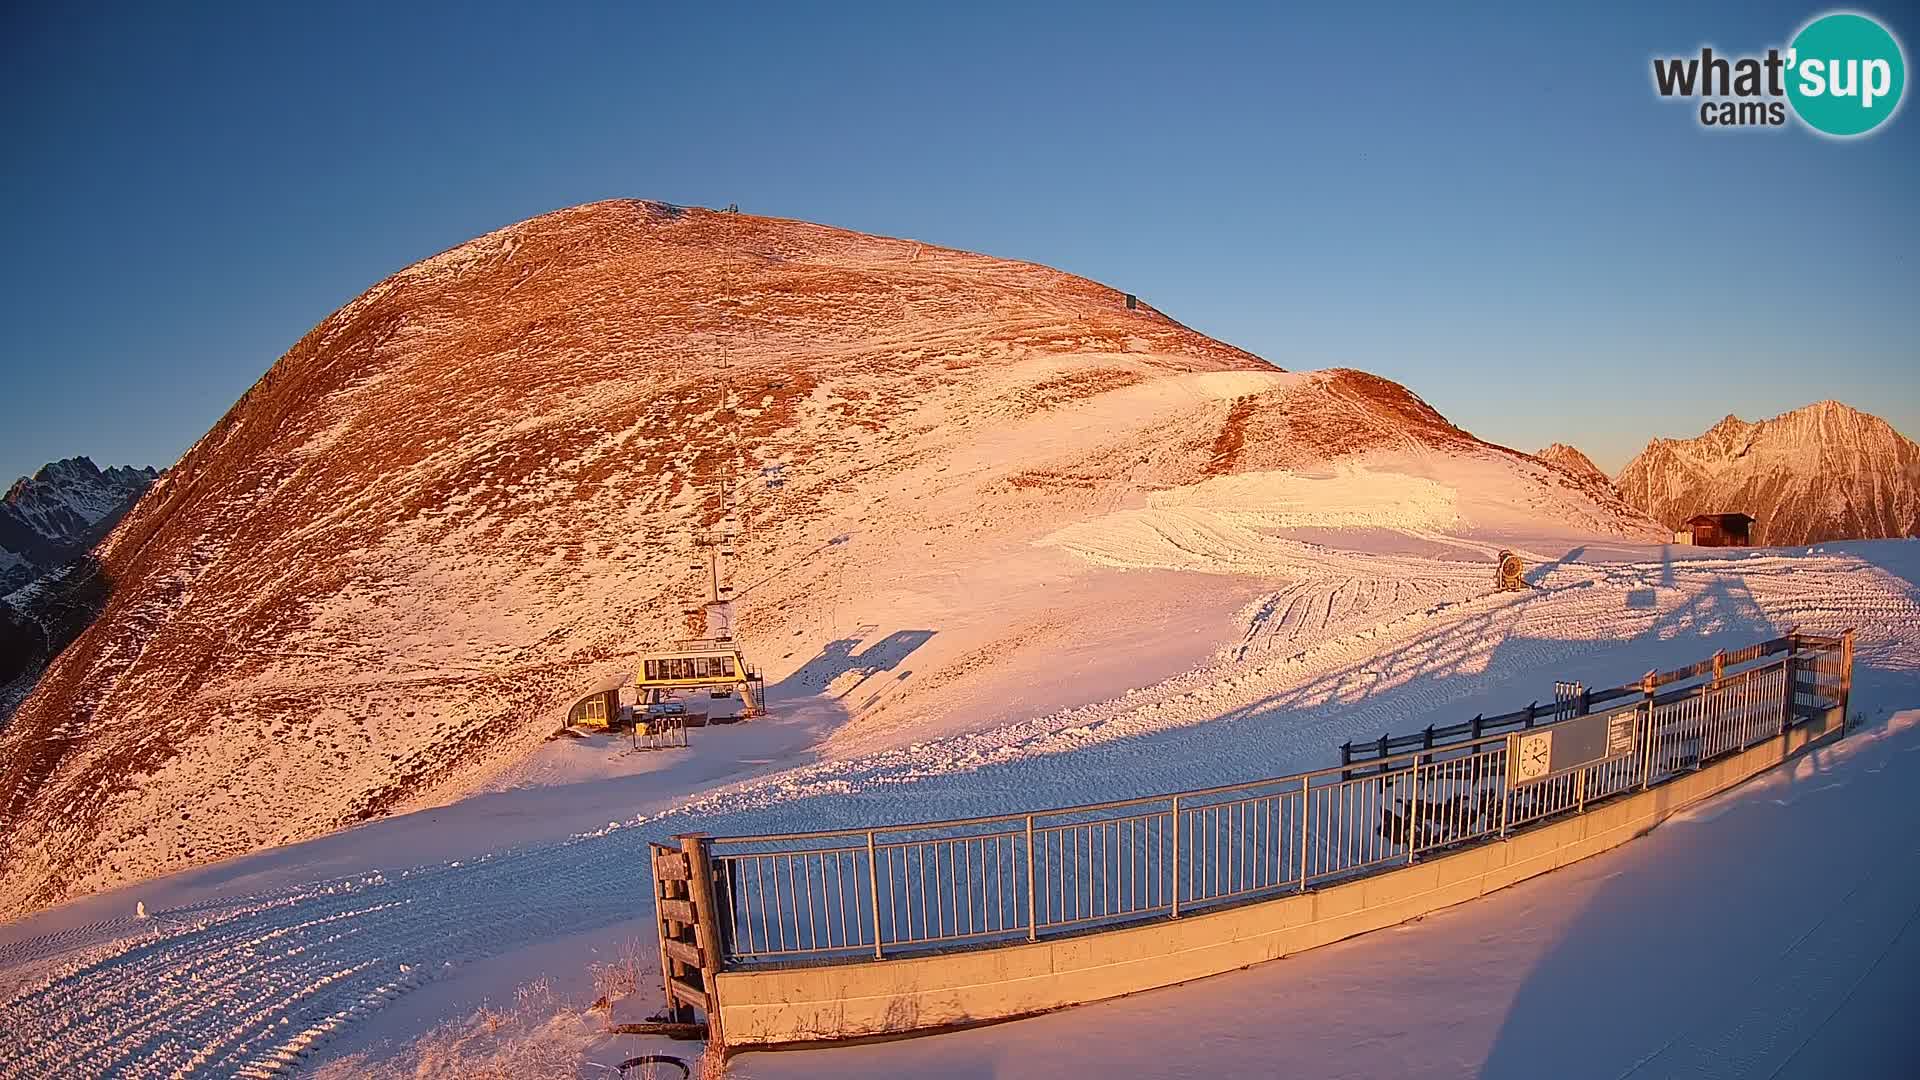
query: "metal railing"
1573, 699
889, 890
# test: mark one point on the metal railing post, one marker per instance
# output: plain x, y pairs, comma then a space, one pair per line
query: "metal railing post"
1413, 812
1791, 667
1846, 676
1646, 771
1033, 907
1506, 788
873, 892
1176, 856
1306, 800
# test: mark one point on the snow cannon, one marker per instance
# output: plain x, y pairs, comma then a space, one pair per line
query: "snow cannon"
1508, 577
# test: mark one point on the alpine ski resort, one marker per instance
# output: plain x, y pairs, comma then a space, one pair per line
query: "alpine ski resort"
1049, 625
656, 640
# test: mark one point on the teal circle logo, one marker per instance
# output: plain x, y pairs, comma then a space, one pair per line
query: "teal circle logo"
1845, 74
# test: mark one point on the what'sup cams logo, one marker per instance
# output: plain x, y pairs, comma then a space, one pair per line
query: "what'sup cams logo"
1842, 75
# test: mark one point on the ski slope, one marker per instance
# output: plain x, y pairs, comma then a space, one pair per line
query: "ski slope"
253, 966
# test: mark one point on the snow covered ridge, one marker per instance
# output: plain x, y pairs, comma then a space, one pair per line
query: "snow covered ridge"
1825, 472
470, 496
60, 511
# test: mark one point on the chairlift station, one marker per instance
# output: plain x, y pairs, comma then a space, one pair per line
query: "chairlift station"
713, 662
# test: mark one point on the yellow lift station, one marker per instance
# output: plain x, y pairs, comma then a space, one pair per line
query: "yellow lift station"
712, 664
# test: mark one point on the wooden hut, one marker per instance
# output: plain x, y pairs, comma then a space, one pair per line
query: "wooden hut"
1721, 530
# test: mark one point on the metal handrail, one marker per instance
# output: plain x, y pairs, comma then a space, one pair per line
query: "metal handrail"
1366, 753
1371, 765
920, 885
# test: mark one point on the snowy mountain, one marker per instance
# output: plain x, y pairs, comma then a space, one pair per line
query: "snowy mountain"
59, 512
1825, 472
1571, 459
473, 494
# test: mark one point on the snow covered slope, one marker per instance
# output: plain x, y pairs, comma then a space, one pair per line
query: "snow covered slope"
471, 495
58, 512
266, 959
1825, 472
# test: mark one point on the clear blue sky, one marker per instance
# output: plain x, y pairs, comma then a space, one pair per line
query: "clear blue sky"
1492, 208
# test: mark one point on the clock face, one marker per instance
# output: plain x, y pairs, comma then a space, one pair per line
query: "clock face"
1535, 751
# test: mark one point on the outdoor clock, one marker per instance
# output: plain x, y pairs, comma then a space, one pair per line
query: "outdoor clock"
1534, 755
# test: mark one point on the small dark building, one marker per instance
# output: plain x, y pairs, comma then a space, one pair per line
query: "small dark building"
1721, 530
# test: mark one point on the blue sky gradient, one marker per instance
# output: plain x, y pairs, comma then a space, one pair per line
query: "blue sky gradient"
1492, 208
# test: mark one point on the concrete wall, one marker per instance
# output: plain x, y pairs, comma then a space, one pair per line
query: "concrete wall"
930, 992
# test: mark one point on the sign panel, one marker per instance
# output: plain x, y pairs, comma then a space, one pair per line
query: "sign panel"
1571, 744
1621, 729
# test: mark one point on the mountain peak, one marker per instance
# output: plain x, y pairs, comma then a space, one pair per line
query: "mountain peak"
1825, 471
57, 513
1571, 459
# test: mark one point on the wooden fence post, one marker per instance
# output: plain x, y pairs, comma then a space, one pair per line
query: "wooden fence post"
706, 925
660, 892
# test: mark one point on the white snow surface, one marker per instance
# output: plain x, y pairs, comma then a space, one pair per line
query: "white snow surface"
260, 963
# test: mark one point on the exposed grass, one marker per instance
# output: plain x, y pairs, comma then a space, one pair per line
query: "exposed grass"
540, 1036
620, 976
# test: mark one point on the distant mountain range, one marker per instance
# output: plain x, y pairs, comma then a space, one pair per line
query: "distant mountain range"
1825, 472
56, 514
